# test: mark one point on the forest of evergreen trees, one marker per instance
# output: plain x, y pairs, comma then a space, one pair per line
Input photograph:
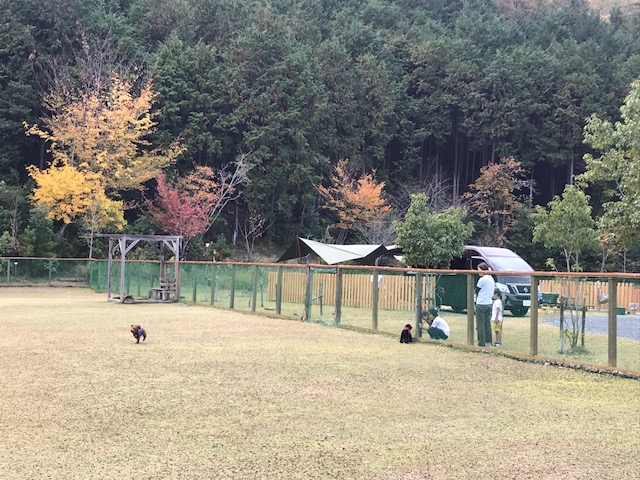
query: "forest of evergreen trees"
423, 93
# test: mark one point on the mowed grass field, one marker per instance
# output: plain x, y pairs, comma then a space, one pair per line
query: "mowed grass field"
214, 394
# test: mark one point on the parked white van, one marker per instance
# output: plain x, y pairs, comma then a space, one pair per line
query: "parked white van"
516, 289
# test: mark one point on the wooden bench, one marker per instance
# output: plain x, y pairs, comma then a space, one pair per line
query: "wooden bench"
166, 289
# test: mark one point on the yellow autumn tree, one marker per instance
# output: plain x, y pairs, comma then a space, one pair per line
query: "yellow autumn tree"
97, 137
356, 201
64, 191
104, 131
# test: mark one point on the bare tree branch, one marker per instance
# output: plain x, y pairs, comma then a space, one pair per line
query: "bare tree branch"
231, 177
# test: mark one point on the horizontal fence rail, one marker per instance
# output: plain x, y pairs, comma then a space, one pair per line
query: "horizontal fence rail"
398, 292
389, 297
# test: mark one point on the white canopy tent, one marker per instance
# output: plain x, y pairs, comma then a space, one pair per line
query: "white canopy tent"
333, 254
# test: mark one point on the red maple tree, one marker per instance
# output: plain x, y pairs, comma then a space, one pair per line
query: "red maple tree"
177, 212
191, 204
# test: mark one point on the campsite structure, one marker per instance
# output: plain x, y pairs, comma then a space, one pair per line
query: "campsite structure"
121, 244
333, 254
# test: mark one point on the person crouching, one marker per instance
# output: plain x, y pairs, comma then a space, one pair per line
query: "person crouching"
438, 328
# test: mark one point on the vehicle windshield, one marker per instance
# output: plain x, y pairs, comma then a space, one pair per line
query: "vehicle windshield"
515, 264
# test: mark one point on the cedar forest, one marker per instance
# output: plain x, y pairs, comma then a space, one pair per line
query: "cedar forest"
241, 124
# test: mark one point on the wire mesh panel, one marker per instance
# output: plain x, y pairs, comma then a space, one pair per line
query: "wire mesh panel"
245, 284
67, 271
27, 271
30, 271
576, 326
264, 301
317, 288
221, 284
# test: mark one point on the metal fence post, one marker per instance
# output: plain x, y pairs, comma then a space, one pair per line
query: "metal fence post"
613, 322
51, 271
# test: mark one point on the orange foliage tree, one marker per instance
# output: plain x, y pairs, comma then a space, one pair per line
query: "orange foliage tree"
356, 201
492, 197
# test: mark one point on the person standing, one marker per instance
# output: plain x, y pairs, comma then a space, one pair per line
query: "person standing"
496, 317
484, 303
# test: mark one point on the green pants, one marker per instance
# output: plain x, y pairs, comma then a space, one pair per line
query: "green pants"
483, 324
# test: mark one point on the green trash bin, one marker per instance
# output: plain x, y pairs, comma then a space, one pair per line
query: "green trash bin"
620, 311
550, 299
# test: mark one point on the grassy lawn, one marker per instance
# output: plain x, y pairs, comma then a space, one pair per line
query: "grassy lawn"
218, 394
515, 332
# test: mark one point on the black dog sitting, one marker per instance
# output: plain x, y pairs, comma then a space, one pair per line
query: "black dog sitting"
405, 336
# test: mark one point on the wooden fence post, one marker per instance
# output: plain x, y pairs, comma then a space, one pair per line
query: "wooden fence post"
338, 302
254, 287
374, 300
308, 294
214, 269
562, 305
470, 313
279, 292
127, 288
418, 292
613, 322
194, 295
232, 295
533, 327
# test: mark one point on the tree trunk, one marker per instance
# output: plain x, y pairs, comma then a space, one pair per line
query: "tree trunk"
234, 236
531, 188
570, 170
456, 166
493, 151
42, 153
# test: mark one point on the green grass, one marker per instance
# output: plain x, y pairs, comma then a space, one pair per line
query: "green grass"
222, 394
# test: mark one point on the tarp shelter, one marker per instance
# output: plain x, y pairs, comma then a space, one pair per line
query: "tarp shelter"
121, 244
332, 254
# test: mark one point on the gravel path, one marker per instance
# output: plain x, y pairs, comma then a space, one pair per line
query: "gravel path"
628, 325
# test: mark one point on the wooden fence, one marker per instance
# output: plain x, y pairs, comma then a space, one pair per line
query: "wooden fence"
594, 294
397, 292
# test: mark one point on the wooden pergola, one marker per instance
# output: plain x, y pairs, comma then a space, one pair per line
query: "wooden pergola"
121, 244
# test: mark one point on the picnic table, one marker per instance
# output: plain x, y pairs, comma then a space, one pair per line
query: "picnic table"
165, 290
